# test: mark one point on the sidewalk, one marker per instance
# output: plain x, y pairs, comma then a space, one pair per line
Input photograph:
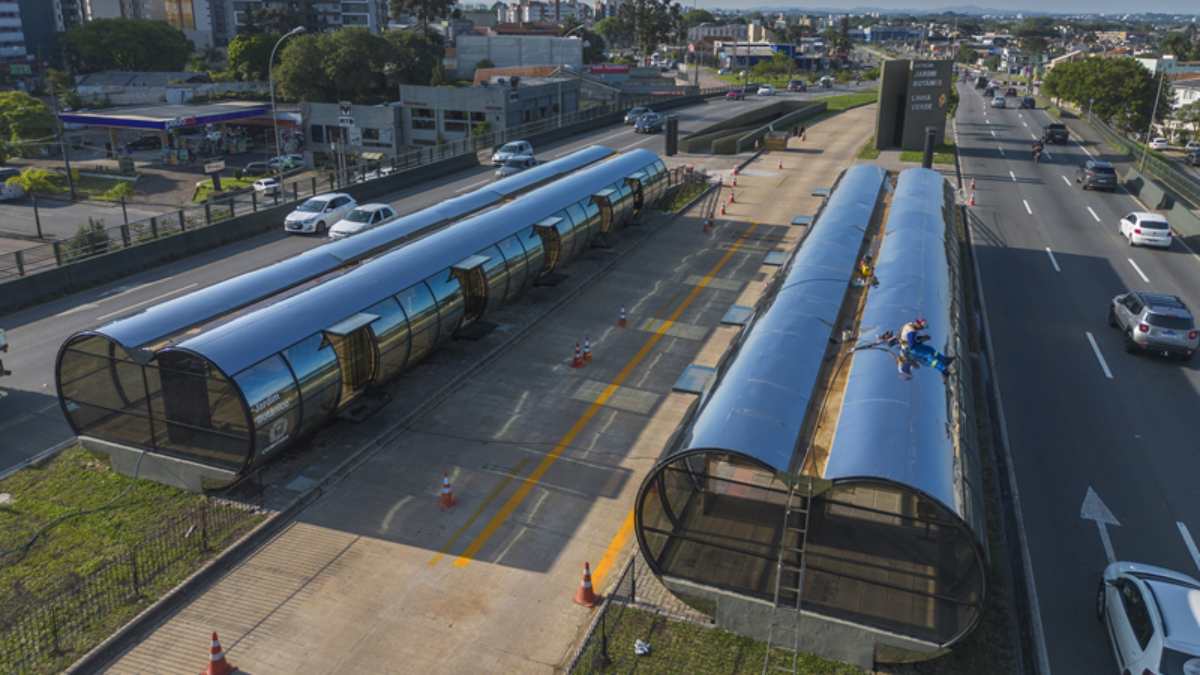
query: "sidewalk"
544, 459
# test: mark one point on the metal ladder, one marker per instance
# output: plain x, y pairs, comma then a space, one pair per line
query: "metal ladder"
789, 580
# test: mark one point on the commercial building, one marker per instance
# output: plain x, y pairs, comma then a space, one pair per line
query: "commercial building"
730, 32
377, 130
434, 114
516, 50
1173, 67
369, 14
877, 34
12, 35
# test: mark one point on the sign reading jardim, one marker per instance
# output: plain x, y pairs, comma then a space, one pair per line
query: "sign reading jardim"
913, 95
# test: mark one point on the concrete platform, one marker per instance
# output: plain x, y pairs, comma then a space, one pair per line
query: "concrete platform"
544, 460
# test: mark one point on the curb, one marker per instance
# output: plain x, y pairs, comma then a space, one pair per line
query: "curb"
40, 457
145, 621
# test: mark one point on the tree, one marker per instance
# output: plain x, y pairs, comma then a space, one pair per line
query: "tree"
249, 55
424, 10
126, 44
1180, 45
614, 31
34, 179
1120, 91
650, 22
485, 63
351, 63
24, 118
416, 54
593, 43
967, 55
695, 17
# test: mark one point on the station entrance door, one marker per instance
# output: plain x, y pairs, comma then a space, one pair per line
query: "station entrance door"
471, 277
353, 343
551, 244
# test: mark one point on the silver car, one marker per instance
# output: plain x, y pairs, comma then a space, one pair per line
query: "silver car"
1154, 322
1151, 617
632, 116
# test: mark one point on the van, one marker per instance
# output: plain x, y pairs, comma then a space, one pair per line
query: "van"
7, 191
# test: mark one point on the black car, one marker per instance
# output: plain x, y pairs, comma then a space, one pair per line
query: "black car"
990, 92
1011, 91
1055, 132
981, 82
649, 123
1028, 103
1097, 174
1192, 158
797, 85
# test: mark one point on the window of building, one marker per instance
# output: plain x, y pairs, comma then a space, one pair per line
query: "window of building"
478, 117
421, 123
318, 133
354, 19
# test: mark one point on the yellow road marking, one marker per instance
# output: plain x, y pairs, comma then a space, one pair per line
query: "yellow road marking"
491, 496
610, 553
522, 492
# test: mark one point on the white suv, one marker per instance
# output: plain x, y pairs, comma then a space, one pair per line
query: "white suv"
318, 213
1145, 228
510, 150
1152, 616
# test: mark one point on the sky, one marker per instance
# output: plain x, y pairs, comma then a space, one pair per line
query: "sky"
1062, 6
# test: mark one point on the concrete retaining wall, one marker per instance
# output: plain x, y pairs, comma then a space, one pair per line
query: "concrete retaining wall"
37, 288
1184, 221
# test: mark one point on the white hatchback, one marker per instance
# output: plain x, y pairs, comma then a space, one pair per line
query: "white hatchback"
1142, 228
766, 90
266, 186
362, 218
318, 213
1152, 616
1159, 143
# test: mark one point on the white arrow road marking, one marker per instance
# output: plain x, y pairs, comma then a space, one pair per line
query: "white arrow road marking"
1099, 356
1187, 541
1093, 508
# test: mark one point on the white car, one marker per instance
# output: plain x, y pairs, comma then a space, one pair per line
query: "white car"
266, 186
1152, 617
998, 102
362, 218
511, 149
1191, 146
1159, 143
1146, 229
318, 213
766, 90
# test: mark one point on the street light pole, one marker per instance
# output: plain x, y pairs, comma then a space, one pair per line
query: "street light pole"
271, 84
579, 93
1150, 126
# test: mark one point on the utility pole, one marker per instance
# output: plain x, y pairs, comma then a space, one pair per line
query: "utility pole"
1150, 126
62, 144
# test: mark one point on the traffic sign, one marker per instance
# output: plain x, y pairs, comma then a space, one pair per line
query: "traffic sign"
214, 167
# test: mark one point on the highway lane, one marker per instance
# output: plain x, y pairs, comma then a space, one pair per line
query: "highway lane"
32, 420
1081, 413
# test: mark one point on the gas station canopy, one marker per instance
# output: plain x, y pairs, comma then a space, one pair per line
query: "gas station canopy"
168, 117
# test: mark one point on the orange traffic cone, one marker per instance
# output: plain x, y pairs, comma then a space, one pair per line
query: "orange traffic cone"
722, 209
585, 595
217, 665
577, 362
446, 499
732, 198
587, 350
735, 170
781, 165
734, 183
972, 200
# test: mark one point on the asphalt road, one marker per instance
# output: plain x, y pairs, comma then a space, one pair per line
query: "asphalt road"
1080, 414
32, 420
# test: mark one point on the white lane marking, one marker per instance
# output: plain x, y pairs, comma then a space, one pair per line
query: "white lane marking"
1189, 542
1014, 176
993, 134
612, 135
1026, 124
114, 296
1099, 356
988, 121
1027, 209
1093, 214
146, 302
77, 308
1052, 260
636, 143
1033, 135
1067, 181
1047, 154
1138, 270
1085, 150
1001, 147
472, 186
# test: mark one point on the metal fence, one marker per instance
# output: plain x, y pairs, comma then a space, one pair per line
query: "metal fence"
636, 608
97, 237
43, 633
1157, 167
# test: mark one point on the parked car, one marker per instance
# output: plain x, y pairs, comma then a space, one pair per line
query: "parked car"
380, 172
797, 86
1011, 91
1159, 143
514, 165
735, 95
511, 149
722, 71
998, 102
1029, 103
1055, 132
1151, 617
1097, 174
1146, 229
634, 113
267, 186
1192, 146
990, 92
826, 82
256, 169
766, 90
285, 162
362, 218
316, 214
650, 123
1154, 322
7, 191
145, 143
1193, 157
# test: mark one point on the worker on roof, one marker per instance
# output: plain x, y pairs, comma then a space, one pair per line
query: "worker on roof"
866, 272
912, 346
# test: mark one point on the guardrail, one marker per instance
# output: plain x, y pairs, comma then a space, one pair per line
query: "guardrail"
1156, 167
787, 122
96, 237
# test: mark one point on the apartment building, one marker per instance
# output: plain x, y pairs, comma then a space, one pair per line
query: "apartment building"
369, 14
